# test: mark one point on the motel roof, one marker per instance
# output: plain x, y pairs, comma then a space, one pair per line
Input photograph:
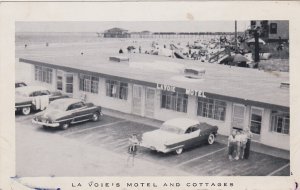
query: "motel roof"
244, 85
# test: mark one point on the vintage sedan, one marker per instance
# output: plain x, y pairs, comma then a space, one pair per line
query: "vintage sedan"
63, 112
30, 98
178, 134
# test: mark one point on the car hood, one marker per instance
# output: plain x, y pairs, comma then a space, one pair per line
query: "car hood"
51, 114
160, 137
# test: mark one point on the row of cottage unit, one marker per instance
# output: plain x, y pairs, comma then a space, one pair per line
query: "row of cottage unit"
162, 101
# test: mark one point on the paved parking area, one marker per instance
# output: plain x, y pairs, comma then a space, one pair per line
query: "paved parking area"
112, 134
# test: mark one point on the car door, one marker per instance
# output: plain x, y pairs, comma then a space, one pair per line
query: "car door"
34, 99
192, 136
77, 111
205, 133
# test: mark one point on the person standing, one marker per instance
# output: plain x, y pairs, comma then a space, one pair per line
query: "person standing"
232, 145
132, 149
247, 148
238, 145
243, 142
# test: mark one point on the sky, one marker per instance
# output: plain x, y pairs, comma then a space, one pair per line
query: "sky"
153, 26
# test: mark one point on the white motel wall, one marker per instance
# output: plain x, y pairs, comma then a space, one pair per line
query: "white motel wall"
145, 100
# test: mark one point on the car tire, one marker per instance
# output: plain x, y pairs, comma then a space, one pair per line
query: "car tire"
95, 116
26, 110
211, 139
45, 127
179, 151
65, 126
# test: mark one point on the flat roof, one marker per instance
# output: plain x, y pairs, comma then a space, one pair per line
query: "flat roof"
234, 82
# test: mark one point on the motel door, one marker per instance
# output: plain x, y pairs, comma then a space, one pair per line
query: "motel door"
149, 102
137, 100
64, 82
238, 116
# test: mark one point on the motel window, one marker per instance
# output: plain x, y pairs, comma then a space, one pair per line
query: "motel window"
69, 83
59, 80
174, 101
211, 108
280, 122
87, 83
116, 89
43, 74
273, 28
255, 120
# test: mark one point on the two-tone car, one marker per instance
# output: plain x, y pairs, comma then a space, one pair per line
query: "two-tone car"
30, 98
64, 112
178, 134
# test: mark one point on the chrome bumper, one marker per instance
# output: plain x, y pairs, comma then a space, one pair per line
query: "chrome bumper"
163, 150
45, 124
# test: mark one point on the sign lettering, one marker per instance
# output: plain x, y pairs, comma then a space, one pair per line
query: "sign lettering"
195, 93
165, 87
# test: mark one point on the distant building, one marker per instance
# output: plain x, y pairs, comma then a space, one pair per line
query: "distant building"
116, 33
272, 30
143, 34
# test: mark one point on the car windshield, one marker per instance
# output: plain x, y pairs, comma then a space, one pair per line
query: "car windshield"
171, 129
57, 106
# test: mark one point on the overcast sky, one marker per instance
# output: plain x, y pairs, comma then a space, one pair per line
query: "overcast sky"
166, 26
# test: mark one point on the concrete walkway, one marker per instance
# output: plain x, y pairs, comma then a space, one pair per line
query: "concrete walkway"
255, 146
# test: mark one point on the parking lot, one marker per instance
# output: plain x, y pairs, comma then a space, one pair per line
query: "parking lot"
110, 136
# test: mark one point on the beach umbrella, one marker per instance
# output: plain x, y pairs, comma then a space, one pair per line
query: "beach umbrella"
252, 40
239, 58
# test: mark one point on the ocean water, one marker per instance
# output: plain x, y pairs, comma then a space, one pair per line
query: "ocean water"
55, 37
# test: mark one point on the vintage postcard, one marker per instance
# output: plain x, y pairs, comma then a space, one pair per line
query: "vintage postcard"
161, 95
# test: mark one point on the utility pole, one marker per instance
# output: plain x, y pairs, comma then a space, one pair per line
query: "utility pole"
235, 35
256, 46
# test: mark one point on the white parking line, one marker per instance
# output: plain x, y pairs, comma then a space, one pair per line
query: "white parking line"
118, 142
99, 126
279, 169
182, 163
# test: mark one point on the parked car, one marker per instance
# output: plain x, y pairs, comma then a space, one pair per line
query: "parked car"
20, 84
30, 98
178, 134
63, 112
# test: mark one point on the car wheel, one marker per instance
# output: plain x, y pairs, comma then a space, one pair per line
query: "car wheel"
65, 126
179, 151
26, 111
211, 139
96, 116
45, 127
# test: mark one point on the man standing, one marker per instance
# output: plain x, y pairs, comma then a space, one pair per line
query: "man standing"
232, 145
249, 137
243, 142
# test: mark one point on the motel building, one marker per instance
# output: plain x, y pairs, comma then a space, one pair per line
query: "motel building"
163, 88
